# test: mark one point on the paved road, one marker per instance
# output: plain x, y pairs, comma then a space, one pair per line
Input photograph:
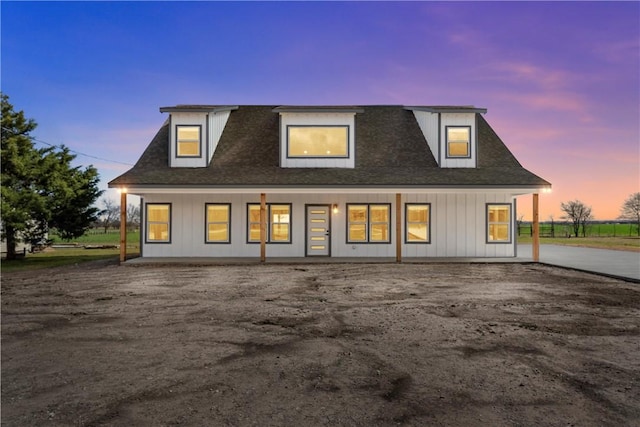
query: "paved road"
615, 263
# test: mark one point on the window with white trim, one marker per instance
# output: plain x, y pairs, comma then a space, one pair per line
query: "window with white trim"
368, 223
499, 223
218, 222
278, 223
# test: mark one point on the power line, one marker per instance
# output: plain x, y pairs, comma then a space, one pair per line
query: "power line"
73, 151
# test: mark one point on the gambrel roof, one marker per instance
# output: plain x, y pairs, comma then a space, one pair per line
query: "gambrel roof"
390, 151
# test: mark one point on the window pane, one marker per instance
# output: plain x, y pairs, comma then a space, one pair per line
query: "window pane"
499, 213
357, 233
217, 213
379, 232
417, 213
254, 213
417, 232
357, 213
159, 232
280, 214
158, 213
188, 148
191, 133
318, 141
254, 232
498, 232
280, 232
218, 233
458, 134
458, 149
379, 213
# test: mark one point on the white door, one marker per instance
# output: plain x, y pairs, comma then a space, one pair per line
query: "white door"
318, 230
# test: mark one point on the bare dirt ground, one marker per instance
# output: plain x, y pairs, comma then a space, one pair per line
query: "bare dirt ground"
310, 345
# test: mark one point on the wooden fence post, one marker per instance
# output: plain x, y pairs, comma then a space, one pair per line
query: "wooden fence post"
535, 230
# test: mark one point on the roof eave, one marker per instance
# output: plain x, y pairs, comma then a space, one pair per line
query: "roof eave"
198, 108
444, 109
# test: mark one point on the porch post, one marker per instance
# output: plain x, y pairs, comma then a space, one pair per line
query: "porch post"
536, 230
123, 224
398, 227
263, 227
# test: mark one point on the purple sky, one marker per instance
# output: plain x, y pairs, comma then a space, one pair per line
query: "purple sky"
561, 81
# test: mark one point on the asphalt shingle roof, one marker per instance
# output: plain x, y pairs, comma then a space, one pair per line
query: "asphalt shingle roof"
390, 150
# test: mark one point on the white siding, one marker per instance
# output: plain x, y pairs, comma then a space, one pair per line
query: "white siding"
188, 119
428, 123
457, 119
217, 122
458, 226
321, 119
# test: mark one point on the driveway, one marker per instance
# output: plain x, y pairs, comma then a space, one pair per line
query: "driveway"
604, 261
319, 345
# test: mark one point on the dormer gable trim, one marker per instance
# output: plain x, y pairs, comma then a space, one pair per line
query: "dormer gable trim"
448, 109
318, 109
198, 108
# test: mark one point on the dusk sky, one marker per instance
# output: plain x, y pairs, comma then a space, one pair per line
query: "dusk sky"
560, 81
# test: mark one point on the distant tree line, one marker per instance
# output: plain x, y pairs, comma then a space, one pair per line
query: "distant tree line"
110, 216
579, 216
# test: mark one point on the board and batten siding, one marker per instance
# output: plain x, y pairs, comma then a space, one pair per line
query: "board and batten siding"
217, 122
458, 226
428, 123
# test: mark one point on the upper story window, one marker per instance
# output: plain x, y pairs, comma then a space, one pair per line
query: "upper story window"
458, 141
317, 141
317, 136
188, 141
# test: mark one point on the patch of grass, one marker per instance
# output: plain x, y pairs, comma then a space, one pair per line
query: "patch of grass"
57, 258
618, 243
110, 238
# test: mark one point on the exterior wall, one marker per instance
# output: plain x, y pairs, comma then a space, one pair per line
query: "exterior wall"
321, 119
428, 123
458, 226
199, 119
458, 119
217, 122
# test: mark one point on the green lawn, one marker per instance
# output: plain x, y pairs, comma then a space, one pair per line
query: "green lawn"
55, 257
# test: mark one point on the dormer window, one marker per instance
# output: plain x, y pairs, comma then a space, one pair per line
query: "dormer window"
318, 141
317, 137
188, 141
458, 140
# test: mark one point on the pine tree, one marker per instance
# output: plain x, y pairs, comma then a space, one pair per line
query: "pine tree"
40, 188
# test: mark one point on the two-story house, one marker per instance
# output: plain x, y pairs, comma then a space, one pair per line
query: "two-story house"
327, 181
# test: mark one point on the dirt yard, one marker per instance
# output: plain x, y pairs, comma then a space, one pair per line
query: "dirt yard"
313, 345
